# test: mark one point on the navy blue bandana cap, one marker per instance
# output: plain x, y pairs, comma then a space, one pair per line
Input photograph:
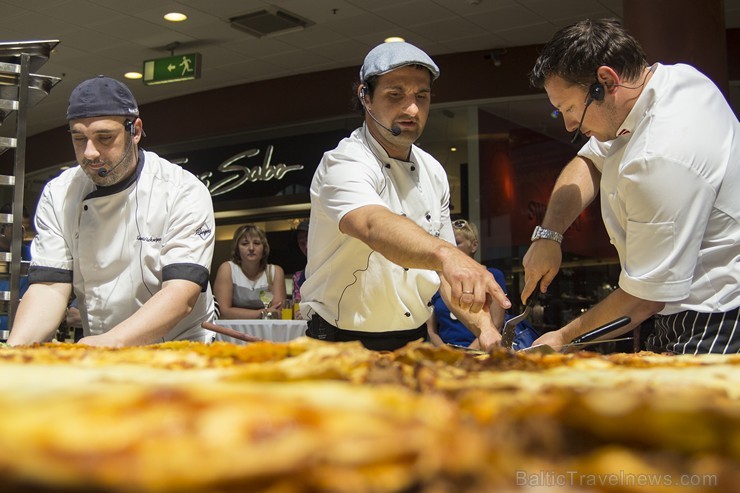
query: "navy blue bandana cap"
101, 96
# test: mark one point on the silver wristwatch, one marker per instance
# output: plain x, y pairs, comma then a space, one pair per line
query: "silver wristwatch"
540, 233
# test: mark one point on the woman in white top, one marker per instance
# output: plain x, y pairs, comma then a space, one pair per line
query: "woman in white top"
240, 280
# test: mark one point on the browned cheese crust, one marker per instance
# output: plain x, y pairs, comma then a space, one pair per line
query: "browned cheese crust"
308, 416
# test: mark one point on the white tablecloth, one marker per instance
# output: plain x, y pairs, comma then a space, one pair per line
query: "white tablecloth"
269, 330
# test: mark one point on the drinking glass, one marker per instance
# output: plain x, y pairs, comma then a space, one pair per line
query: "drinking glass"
266, 298
287, 312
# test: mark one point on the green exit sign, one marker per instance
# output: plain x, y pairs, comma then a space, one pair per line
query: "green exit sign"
174, 68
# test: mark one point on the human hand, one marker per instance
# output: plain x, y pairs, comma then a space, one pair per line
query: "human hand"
554, 339
276, 305
102, 340
541, 264
73, 318
471, 285
489, 339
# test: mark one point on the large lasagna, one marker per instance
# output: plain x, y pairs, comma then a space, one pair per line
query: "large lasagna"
308, 416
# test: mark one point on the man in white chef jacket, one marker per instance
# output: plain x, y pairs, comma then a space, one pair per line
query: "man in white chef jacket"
664, 156
130, 232
381, 243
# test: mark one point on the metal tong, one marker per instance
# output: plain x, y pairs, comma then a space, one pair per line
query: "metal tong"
507, 335
587, 339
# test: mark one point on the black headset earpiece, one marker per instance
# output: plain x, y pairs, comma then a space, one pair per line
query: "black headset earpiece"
596, 91
129, 125
395, 130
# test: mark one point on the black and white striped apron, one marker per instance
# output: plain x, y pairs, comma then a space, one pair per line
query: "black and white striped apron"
696, 333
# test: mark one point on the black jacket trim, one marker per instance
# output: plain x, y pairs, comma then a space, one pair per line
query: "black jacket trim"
38, 273
189, 272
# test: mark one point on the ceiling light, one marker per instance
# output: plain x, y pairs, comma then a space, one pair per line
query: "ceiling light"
175, 17
453, 149
133, 75
394, 39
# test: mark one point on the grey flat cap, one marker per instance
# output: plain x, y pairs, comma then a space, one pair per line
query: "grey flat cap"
390, 56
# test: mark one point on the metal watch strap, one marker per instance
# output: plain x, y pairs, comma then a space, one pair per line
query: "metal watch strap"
547, 234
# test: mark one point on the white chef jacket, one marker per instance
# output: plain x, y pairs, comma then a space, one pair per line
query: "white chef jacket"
117, 244
347, 283
670, 188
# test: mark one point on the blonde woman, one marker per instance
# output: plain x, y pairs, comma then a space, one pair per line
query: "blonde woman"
444, 328
240, 280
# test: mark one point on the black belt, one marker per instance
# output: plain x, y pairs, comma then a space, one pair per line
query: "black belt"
318, 328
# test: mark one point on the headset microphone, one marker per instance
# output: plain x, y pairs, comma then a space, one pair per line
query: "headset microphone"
132, 133
395, 130
595, 93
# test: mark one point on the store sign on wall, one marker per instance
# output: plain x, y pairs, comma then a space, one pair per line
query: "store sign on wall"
238, 174
278, 166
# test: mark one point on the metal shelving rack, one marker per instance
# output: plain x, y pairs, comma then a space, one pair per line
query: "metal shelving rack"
20, 89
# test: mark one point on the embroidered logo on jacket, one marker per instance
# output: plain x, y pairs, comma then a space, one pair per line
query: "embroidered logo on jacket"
149, 239
204, 231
